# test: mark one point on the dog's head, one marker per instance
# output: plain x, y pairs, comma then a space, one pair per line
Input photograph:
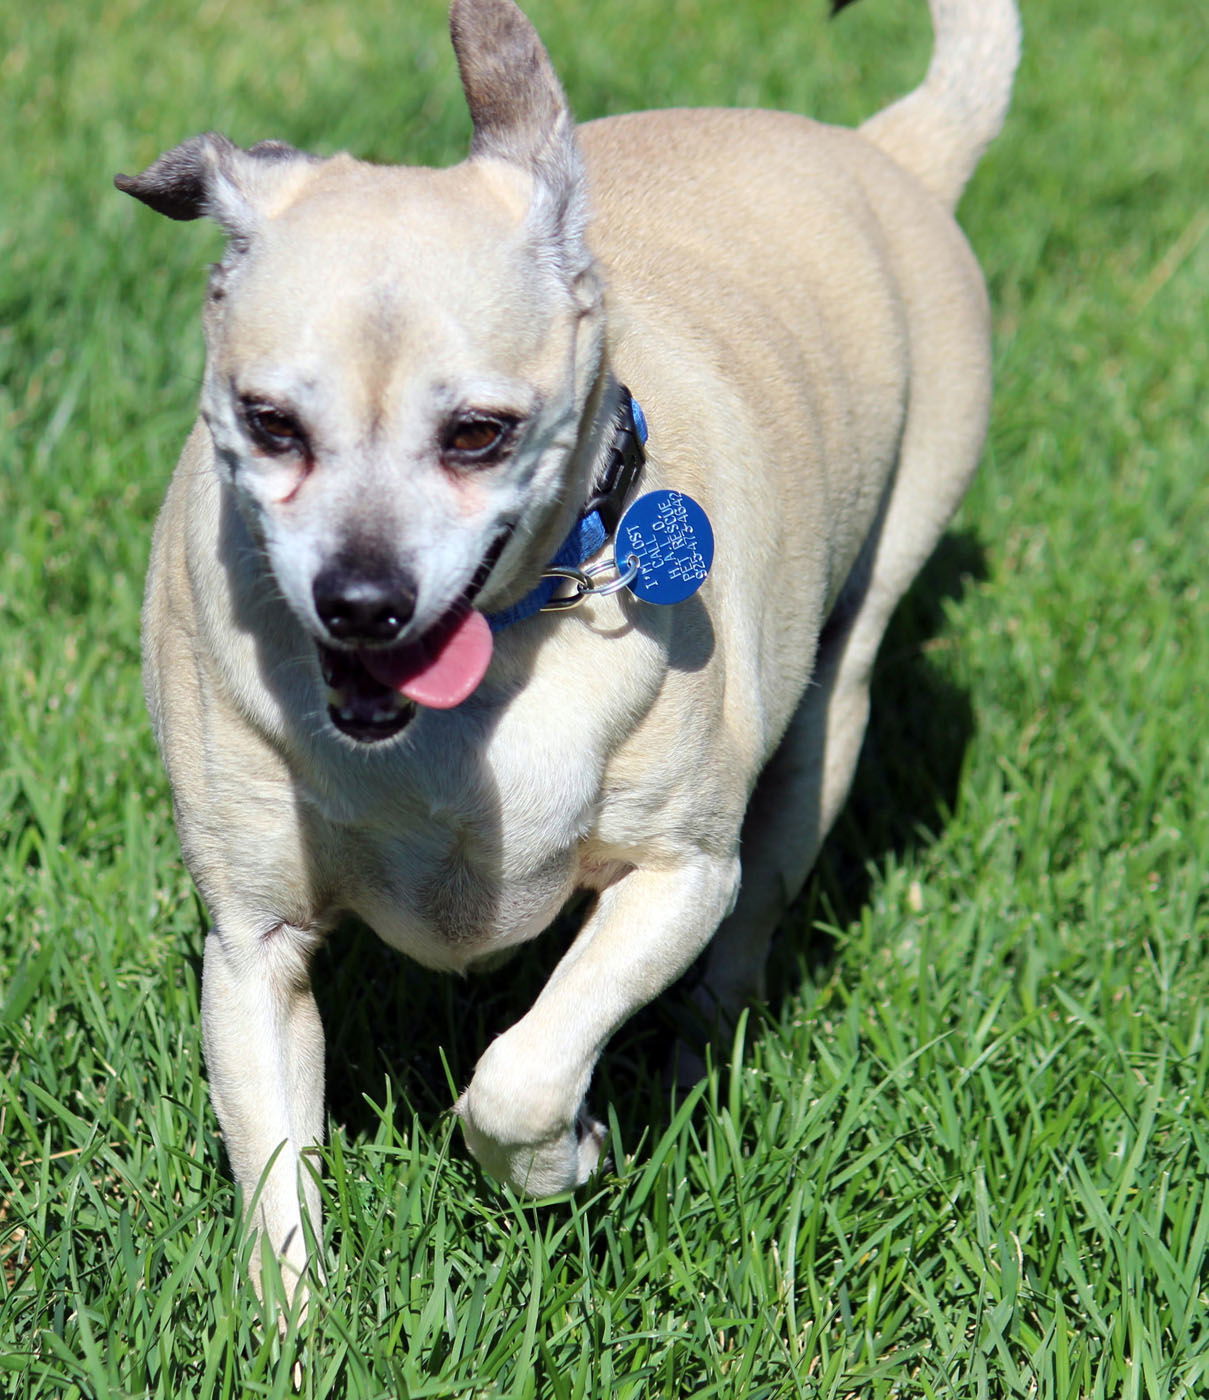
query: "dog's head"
399, 366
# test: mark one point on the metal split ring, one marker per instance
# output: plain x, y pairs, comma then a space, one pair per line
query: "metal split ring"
585, 582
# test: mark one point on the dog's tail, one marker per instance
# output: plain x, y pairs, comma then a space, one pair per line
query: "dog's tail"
940, 130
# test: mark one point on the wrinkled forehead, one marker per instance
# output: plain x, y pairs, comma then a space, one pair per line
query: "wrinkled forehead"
435, 261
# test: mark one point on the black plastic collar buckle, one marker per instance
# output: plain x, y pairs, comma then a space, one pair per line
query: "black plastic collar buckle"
622, 470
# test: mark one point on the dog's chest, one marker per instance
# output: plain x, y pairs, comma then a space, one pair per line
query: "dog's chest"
467, 852
449, 901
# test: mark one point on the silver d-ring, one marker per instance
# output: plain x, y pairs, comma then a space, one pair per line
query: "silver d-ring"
583, 586
585, 582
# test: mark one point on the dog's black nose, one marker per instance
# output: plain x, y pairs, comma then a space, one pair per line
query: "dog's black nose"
356, 606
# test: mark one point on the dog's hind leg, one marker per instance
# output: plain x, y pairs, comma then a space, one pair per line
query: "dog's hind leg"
264, 1055
807, 779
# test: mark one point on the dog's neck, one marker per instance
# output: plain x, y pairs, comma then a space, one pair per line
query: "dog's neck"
615, 441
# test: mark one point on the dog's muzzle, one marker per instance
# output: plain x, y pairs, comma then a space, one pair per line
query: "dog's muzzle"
374, 687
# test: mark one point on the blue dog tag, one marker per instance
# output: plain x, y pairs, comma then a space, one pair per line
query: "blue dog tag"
671, 537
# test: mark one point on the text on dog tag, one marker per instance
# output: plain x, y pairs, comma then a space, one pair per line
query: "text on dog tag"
671, 537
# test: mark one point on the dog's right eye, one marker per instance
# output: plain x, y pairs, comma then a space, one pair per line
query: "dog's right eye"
273, 429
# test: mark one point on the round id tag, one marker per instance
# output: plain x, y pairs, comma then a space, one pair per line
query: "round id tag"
670, 536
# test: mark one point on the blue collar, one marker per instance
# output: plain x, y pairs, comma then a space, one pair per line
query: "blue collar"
598, 519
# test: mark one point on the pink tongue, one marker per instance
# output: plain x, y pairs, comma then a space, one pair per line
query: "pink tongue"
439, 671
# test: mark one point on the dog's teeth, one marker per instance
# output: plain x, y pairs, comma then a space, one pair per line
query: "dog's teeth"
347, 714
334, 698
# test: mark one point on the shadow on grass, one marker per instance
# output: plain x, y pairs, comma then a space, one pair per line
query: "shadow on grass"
386, 1017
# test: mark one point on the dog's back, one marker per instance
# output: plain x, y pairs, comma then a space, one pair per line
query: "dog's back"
840, 295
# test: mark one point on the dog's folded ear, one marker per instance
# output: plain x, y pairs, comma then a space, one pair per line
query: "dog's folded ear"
521, 116
211, 175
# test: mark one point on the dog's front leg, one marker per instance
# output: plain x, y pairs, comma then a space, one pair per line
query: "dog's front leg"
523, 1114
264, 1054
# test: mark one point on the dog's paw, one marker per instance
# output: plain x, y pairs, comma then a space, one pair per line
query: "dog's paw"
539, 1169
521, 1131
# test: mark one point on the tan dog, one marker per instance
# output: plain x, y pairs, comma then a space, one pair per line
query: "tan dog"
412, 390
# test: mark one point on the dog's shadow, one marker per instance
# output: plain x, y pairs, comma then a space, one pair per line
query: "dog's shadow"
385, 1017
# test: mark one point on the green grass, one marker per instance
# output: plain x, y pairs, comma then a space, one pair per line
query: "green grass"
964, 1150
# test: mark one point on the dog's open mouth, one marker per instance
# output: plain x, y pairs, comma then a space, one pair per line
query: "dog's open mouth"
373, 691
357, 704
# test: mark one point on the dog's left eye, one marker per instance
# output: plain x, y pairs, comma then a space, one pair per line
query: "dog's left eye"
473, 439
273, 429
